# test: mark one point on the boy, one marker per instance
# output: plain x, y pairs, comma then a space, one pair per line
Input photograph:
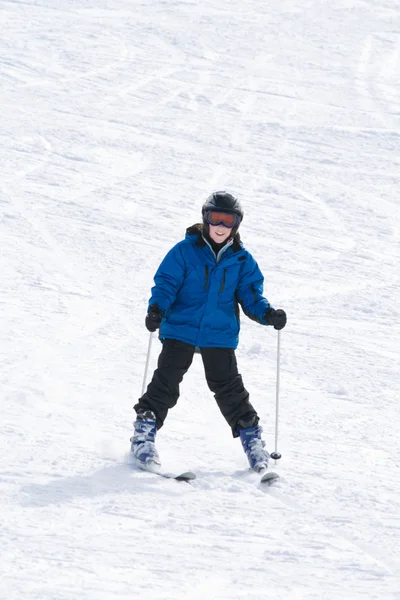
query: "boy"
195, 303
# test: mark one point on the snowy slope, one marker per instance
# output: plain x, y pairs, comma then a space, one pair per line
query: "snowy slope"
118, 119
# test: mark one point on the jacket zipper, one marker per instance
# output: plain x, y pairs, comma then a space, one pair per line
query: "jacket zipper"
221, 289
205, 277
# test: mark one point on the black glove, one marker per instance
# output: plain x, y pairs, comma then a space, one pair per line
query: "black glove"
153, 318
277, 318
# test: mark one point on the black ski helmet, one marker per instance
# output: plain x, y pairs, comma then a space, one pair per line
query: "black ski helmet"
224, 202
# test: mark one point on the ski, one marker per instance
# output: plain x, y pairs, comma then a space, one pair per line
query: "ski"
184, 476
269, 478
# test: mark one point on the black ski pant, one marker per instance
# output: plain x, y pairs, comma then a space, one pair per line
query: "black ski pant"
222, 378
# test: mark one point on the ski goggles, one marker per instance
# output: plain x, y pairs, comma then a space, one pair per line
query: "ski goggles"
214, 217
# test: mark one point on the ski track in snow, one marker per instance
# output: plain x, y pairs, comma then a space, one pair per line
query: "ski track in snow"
117, 123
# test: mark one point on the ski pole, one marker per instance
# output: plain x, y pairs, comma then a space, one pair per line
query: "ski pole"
277, 455
147, 363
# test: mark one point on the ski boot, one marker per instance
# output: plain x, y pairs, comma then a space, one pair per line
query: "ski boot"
253, 446
143, 445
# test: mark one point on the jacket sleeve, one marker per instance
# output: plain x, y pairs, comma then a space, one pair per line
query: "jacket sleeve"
250, 291
168, 279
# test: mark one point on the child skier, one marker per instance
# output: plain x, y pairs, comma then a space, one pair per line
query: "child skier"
195, 303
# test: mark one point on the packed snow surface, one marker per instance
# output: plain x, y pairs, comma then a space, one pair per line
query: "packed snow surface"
117, 121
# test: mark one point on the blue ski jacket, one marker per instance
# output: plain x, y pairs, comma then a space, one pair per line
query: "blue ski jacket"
199, 293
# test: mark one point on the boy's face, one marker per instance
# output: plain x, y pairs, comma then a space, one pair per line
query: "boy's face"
219, 233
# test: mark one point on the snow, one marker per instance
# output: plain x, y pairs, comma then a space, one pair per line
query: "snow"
118, 119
